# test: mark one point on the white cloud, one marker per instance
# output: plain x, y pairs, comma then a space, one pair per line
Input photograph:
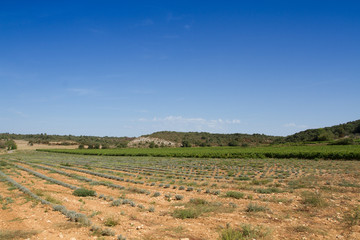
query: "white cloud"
179, 123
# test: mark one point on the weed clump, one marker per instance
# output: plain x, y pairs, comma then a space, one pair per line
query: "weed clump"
186, 213
233, 194
83, 192
111, 222
246, 231
352, 218
256, 208
313, 199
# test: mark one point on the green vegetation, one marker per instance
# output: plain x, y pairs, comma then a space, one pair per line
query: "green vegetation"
246, 231
92, 141
17, 234
204, 139
8, 144
197, 206
111, 222
342, 134
349, 152
186, 213
253, 207
82, 192
233, 194
352, 218
314, 199
349, 129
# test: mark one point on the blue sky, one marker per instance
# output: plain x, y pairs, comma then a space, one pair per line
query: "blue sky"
127, 68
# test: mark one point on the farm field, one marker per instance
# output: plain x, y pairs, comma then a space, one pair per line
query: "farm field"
346, 152
46, 195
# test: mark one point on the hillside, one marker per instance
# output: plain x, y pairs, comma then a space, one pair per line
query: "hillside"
106, 142
346, 130
338, 134
214, 139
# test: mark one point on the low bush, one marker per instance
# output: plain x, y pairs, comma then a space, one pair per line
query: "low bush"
313, 199
253, 207
246, 231
233, 194
186, 213
83, 192
111, 222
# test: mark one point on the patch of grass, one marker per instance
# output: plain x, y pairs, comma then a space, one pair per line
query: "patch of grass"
197, 206
111, 222
253, 207
11, 188
16, 219
52, 200
352, 218
38, 192
303, 182
278, 200
314, 199
301, 229
83, 192
245, 232
16, 234
198, 201
233, 194
268, 190
186, 213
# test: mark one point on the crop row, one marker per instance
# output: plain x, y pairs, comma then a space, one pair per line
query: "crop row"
72, 215
302, 152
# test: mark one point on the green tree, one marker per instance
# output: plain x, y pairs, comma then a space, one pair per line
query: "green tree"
186, 143
151, 145
10, 145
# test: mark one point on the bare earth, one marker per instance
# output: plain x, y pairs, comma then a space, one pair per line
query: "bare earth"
286, 219
24, 145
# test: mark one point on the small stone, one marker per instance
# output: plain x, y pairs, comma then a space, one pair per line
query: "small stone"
184, 239
61, 235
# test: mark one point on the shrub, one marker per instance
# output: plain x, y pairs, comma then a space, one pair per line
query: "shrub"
186, 213
198, 201
120, 237
107, 232
83, 192
313, 199
179, 197
10, 145
217, 192
116, 202
246, 231
256, 208
234, 194
156, 194
111, 222
233, 205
